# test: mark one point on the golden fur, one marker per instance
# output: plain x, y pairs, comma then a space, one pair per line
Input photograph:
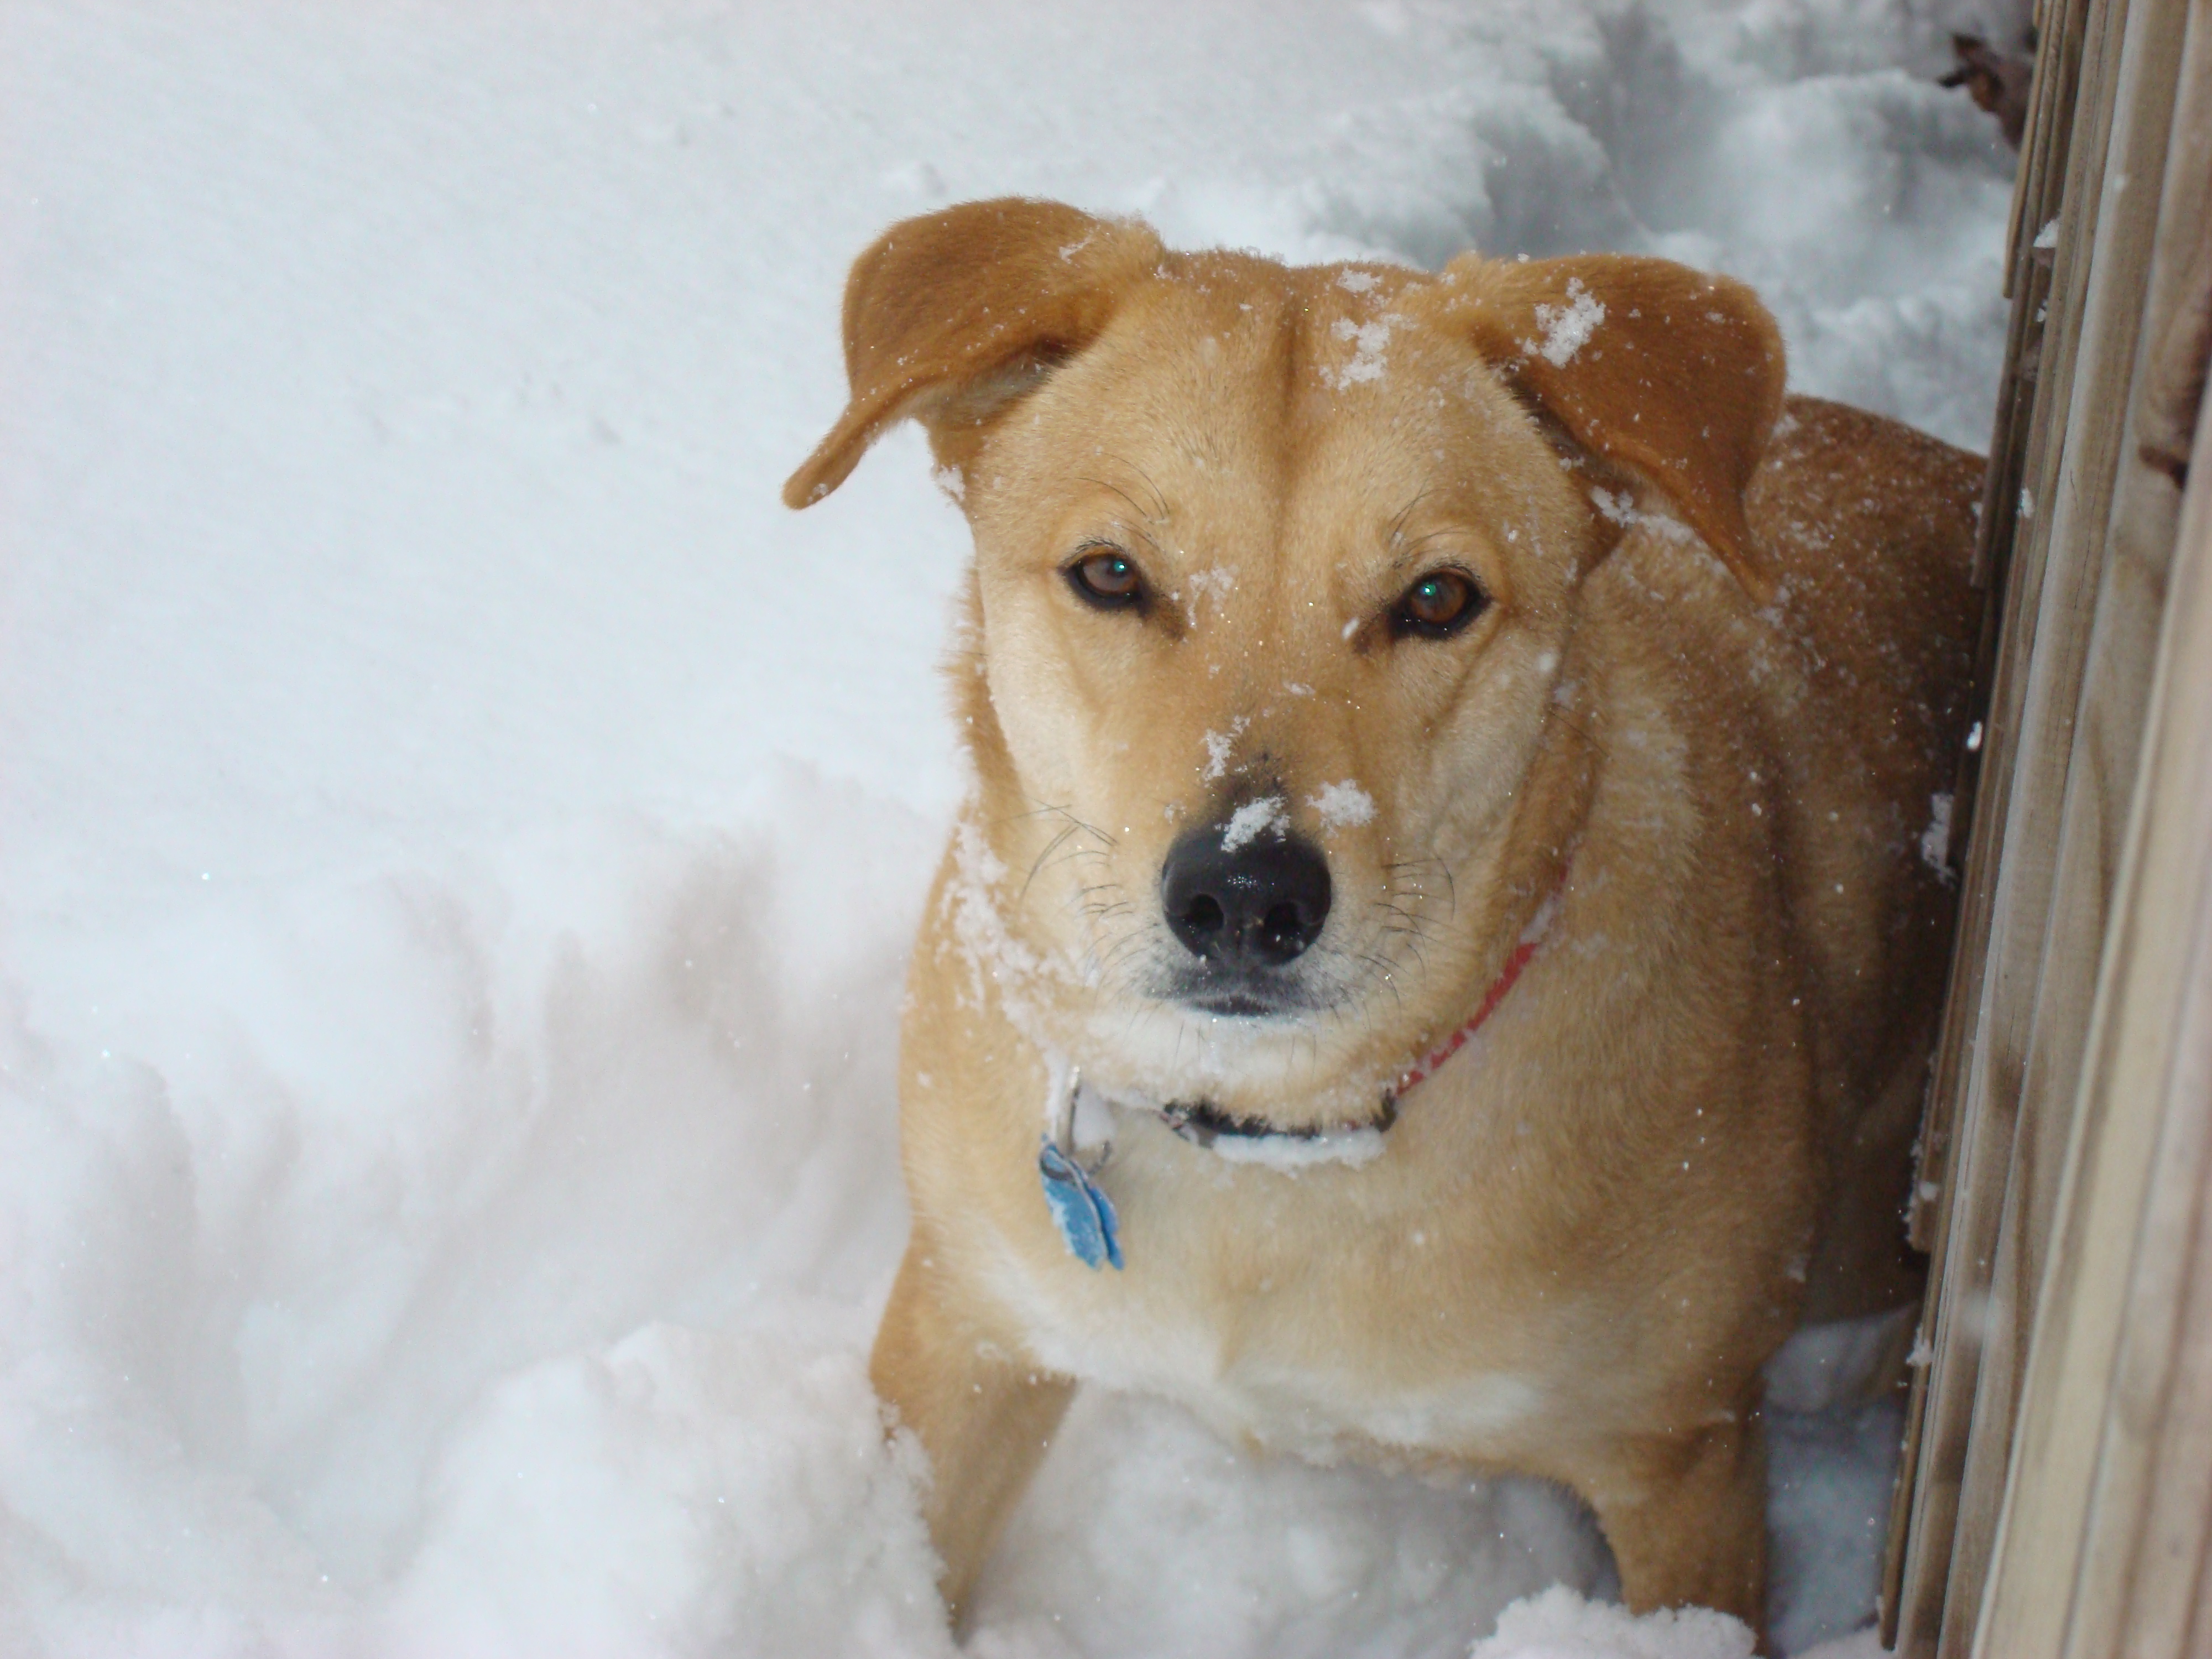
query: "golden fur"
1686, 1127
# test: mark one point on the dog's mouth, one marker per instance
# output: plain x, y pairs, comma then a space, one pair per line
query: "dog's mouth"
1239, 1007
1230, 993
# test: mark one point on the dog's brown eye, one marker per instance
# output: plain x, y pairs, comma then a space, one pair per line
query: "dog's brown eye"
1106, 579
1441, 602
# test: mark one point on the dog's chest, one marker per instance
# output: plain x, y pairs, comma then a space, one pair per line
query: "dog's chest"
1310, 1351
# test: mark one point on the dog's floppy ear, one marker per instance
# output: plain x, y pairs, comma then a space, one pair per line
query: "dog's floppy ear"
941, 302
1673, 373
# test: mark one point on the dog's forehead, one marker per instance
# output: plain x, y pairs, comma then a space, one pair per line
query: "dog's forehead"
1227, 368
1308, 350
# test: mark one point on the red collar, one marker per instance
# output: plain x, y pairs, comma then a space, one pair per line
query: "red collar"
1531, 937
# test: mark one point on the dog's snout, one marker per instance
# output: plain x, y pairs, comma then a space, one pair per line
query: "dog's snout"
1260, 902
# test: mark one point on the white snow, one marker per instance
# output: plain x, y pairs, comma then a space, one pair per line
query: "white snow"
1566, 328
1219, 746
1253, 819
1340, 805
1216, 584
1618, 507
1560, 1625
462, 835
1292, 1153
1935, 839
1367, 361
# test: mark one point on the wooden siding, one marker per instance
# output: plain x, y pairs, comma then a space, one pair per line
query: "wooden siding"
2079, 536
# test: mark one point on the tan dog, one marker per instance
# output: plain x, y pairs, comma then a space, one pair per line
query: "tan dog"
1350, 677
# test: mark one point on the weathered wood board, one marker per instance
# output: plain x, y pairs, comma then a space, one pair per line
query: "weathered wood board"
2119, 156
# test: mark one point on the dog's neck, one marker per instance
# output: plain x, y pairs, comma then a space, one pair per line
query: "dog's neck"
1069, 1163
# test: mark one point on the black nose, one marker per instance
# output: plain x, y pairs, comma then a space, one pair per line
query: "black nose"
1262, 901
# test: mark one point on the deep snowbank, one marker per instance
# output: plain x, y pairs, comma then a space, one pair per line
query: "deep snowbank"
460, 835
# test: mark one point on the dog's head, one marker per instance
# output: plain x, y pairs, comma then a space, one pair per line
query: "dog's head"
1270, 680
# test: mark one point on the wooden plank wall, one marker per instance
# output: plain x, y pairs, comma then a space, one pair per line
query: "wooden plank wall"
2117, 165
2100, 1548
1965, 1137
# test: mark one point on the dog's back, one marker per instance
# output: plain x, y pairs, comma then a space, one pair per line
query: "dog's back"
1875, 524
1858, 671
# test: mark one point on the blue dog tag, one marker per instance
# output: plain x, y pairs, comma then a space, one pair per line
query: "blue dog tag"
1083, 1213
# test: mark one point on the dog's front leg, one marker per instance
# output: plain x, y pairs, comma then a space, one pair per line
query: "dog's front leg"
984, 1413
1686, 1515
